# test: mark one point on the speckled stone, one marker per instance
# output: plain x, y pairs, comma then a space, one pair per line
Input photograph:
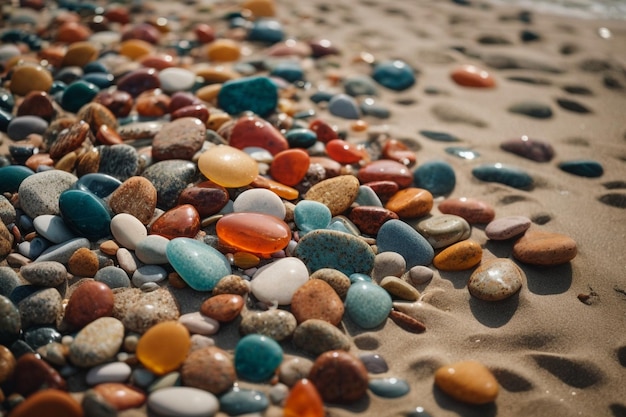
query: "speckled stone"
317, 300
210, 369
120, 161
274, 323
495, 280
508, 227
179, 139
170, 178
256, 94
39, 193
339, 376
397, 236
400, 288
336, 193
44, 274
367, 304
83, 263
459, 256
318, 336
336, 279
136, 196
139, 311
444, 230
97, 343
113, 276
41, 307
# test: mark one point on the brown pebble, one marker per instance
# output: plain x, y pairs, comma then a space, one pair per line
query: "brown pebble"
336, 193
537, 247
49, 403
97, 115
232, 284
80, 54
176, 281
339, 376
470, 382
7, 364
6, 240
210, 369
109, 247
83, 263
90, 301
407, 322
120, 103
336, 279
223, 307
411, 202
37, 103
69, 140
207, 197
32, 374
136, 196
28, 77
472, 210
121, 396
369, 219
316, 299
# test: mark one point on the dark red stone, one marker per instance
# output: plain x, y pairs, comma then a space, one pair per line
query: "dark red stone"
383, 189
529, 148
370, 218
37, 103
90, 301
32, 374
199, 111
324, 132
386, 170
120, 103
138, 81
143, 31
180, 221
251, 131
207, 197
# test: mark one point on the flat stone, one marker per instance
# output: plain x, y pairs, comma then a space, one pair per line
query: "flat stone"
139, 311
127, 230
504, 228
183, 402
135, 196
336, 193
223, 307
318, 336
438, 177
389, 387
22, 126
538, 247
113, 277
179, 139
449, 112
495, 280
97, 343
120, 396
471, 209
472, 76
62, 252
439, 136
53, 228
583, 168
146, 274
198, 323
400, 288
532, 149
532, 109
444, 230
39, 193
311, 215
386, 170
397, 236
507, 175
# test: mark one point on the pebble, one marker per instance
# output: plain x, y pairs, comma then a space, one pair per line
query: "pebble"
12, 177
332, 249
22, 126
374, 363
472, 210
449, 112
98, 342
113, 277
311, 215
33, 373
368, 197
199, 265
339, 377
62, 252
256, 94
108, 372
127, 230
344, 106
304, 400
386, 170
394, 74
532, 109
369, 219
260, 200
397, 236
44, 274
253, 232
180, 221
573, 106
537, 247
389, 387
532, 149
85, 213
139, 310
198, 323
135, 196
148, 274
50, 402
508, 227
120, 396
94, 404
210, 369
253, 131
207, 197
179, 139
439, 136
294, 369
444, 230
223, 307
438, 177
40, 307
274, 323
228, 166
459, 256
300, 138
7, 364
101, 185
316, 336
232, 284
316, 299
169, 178
39, 193
495, 280
163, 347
36, 337
420, 274
507, 175
257, 357
10, 321
470, 382
388, 264
279, 281
266, 30
120, 161
290, 166
28, 78
240, 401
183, 402
411, 202
176, 79
367, 304
583, 168
400, 288
337, 193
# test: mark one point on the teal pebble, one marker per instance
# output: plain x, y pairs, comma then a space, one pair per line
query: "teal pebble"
513, 177
311, 215
321, 96
439, 136
438, 177
395, 75
367, 304
345, 106
532, 109
12, 176
462, 152
37, 337
360, 85
257, 357
99, 79
389, 387
583, 168
199, 265
360, 278
101, 185
367, 197
290, 71
85, 213
77, 94
266, 30
256, 94
397, 236
301, 138
240, 401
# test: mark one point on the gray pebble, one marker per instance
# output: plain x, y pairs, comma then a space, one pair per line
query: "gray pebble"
388, 264
139, 310
336, 279
277, 324
119, 161
39, 193
34, 248
22, 126
293, 369
94, 405
420, 274
62, 252
151, 250
113, 276
53, 228
318, 336
170, 178
7, 211
41, 307
148, 274
10, 322
45, 274
97, 343
9, 279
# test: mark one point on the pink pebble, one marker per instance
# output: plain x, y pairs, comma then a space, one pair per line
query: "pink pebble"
507, 227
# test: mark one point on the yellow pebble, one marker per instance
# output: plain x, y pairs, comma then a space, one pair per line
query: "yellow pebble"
245, 260
217, 120
459, 256
67, 162
79, 54
218, 74
28, 77
135, 48
260, 8
470, 382
164, 347
287, 106
209, 92
224, 50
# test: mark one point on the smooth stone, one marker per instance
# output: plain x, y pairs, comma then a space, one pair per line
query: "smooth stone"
507, 175
120, 161
163, 347
470, 382
39, 193
316, 299
240, 401
400, 288
583, 168
397, 236
304, 400
179, 139
294, 369
438, 177
369, 219
257, 357
223, 307
495, 280
176, 79
289, 70
179, 221
228, 166
36, 337
370, 107
411, 202
253, 131
101, 185
331, 249
256, 233
152, 250
451, 112
256, 94
343, 224
290, 166
537, 247
532, 109
10, 321
85, 213
121, 396
139, 81
266, 30
389, 387
388, 264
394, 74
260, 200
210, 369
462, 152
532, 149
44, 274
336, 279
386, 170
27, 78
274, 323
49, 402
232, 284
367, 304
374, 363
344, 106
12, 176
62, 252
207, 197
279, 281
94, 404
108, 372
32, 374
339, 377
471, 209
77, 94
139, 311
398, 151
199, 265
128, 230
367, 197
9, 280
316, 336
504, 228
113, 277
7, 364
573, 106
135, 196
22, 126
444, 230
41, 307
300, 138
311, 215
459, 256
183, 402
170, 178
149, 274
439, 136
472, 76
97, 343
337, 193
420, 274
360, 85
198, 323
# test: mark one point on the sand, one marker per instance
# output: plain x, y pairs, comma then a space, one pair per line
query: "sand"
552, 354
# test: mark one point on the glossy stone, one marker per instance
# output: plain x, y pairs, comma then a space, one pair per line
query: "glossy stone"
207, 197
223, 307
278, 281
89, 301
300, 138
257, 357
507, 227
85, 213
444, 230
27, 78
252, 131
183, 402
532, 149
253, 232
438, 177
290, 166
472, 76
77, 94
397, 151
12, 176
256, 94
439, 136
228, 166
266, 30
199, 265
36, 103
394, 74
239, 401
389, 387
101, 185
311, 215
459, 256
344, 152
135, 196
471, 209
339, 377
397, 236
367, 304
49, 402
139, 81
538, 247
260, 200
462, 152
411, 202
507, 175
164, 347
470, 382
303, 400
180, 221
10, 321
386, 170
336, 193
495, 280
583, 168
316, 299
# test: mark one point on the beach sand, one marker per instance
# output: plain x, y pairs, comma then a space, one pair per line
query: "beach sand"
552, 354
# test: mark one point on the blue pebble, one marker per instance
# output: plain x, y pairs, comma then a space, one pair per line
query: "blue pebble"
359, 278
532, 109
389, 387
397, 236
321, 96
367, 304
266, 30
21, 126
101, 80
257, 357
33, 248
311, 215
439, 136
198, 264
256, 94
62, 252
12, 176
290, 71
301, 138
113, 277
438, 177
101, 185
85, 213
240, 401
462, 152
395, 75
513, 177
345, 106
583, 168
367, 197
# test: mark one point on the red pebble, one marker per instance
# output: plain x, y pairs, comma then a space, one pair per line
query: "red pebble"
397, 151
180, 221
33, 373
251, 131
472, 76
71, 32
204, 33
325, 132
386, 170
471, 209
90, 301
222, 307
37, 103
108, 136
121, 396
199, 111
331, 168
158, 61
290, 166
369, 219
118, 14
207, 197
344, 152
383, 189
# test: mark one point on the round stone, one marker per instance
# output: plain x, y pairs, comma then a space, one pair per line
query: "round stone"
274, 323
180, 221
537, 247
179, 139
183, 402
85, 213
259, 200
444, 230
127, 230
367, 304
336, 279
339, 377
97, 343
45, 274
152, 250
508, 227
459, 256
316, 336
304, 400
135, 196
199, 265
253, 131
164, 347
253, 232
315, 299
228, 166
39, 193
27, 78
210, 369
207, 197
257, 357
290, 166
77, 94
388, 264
40, 307
311, 215
344, 106
470, 382
223, 307
279, 281
438, 177
494, 280
394, 74
20, 127
176, 79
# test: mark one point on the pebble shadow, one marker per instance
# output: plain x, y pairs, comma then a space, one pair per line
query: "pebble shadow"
494, 314
465, 410
548, 280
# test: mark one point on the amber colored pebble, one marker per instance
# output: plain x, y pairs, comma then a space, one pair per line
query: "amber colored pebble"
33, 373
369, 219
88, 162
180, 221
90, 301
83, 263
199, 111
49, 403
158, 61
383, 189
207, 197
71, 32
176, 280
407, 322
39, 160
253, 232
121, 396
108, 136
470, 382
472, 76
37, 103
120, 103
69, 140
344, 152
222, 307
152, 103
135, 48
303, 400
80, 54
316, 299
339, 377
411, 202
397, 151
7, 364
204, 33
386, 170
67, 162
223, 50
260, 8
537, 247
359, 126
245, 260
136, 196
28, 77
472, 210
217, 74
290, 166
277, 188
324, 132
337, 193
209, 94
251, 131
459, 256
163, 347
109, 247
331, 167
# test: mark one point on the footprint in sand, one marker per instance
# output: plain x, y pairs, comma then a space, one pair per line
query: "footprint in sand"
577, 373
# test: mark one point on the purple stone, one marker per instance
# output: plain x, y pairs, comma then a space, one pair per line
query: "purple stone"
529, 148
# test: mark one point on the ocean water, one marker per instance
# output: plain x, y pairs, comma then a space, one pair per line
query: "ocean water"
605, 9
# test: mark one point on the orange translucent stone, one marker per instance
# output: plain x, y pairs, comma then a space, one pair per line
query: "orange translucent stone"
277, 188
344, 152
49, 403
253, 232
164, 347
290, 166
304, 401
472, 76
228, 166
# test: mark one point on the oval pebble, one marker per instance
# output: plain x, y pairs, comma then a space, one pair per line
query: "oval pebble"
411, 202
39, 307
135, 196
470, 382
471, 209
336, 193
199, 265
420, 274
88, 302
152, 250
508, 227
223, 307
394, 74
472, 76
10, 321
339, 377
507, 175
22, 126
389, 387
240, 401
39, 193
279, 281
583, 168
257, 357
400, 288
109, 372
49, 402
127, 230
259, 200
62, 252
316, 336
85, 213
97, 343
210, 369
179, 139
148, 274
183, 402
444, 230
532, 149
367, 304
344, 106
45, 274
438, 177
388, 264
397, 236
163, 347
311, 215
538, 247
459, 256
198, 323
176, 79
495, 280
274, 323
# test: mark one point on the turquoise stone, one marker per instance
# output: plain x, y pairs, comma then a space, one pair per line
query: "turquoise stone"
101, 185
77, 94
367, 304
198, 264
439, 136
37, 337
95, 66
389, 387
311, 215
257, 357
513, 177
367, 197
395, 74
256, 94
360, 278
290, 71
85, 213
583, 168
12, 176
301, 138
462, 152
438, 177
99, 79
397, 236
266, 30
240, 401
